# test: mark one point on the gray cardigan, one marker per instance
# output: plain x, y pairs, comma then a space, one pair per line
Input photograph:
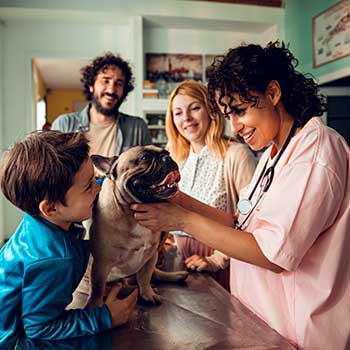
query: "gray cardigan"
131, 131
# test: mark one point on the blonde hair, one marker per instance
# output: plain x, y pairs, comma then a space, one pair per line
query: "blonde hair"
177, 145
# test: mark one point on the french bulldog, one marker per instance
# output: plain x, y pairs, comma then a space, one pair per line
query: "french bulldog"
120, 246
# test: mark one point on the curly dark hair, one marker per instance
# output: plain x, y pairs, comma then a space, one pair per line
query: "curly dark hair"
99, 63
248, 69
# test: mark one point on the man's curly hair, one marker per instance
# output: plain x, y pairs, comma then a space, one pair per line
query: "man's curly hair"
99, 63
248, 69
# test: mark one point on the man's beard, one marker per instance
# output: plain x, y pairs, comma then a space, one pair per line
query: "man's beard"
111, 112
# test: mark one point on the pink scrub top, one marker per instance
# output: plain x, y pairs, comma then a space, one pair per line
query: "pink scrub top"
303, 225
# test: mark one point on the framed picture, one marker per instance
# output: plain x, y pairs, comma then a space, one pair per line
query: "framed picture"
331, 34
173, 67
165, 70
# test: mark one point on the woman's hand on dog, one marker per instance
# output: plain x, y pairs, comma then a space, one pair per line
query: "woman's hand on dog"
161, 216
120, 309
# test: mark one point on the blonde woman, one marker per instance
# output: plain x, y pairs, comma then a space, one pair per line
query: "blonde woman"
213, 168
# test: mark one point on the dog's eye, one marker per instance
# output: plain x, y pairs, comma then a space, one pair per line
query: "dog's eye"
165, 157
145, 157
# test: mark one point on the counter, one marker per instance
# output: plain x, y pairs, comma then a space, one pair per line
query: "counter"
196, 315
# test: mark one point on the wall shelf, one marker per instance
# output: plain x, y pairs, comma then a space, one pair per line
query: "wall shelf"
154, 104
156, 127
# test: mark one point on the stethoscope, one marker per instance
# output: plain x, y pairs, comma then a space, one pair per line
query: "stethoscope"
246, 206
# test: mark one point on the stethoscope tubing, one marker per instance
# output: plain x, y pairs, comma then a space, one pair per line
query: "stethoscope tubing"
265, 173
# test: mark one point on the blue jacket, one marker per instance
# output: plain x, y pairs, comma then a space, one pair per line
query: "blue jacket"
131, 131
40, 267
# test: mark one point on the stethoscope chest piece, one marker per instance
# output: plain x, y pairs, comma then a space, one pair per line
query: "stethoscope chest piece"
244, 206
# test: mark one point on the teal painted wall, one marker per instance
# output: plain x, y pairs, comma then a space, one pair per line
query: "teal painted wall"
298, 32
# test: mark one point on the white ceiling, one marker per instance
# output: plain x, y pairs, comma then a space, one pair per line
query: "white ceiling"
59, 73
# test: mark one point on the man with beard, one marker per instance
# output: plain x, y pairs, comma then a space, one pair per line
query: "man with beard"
107, 81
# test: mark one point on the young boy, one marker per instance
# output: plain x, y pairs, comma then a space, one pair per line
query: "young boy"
50, 176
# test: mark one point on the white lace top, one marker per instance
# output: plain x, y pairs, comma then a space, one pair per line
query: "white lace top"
217, 183
202, 177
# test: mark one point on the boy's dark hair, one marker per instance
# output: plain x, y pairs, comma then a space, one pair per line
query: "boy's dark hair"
248, 69
100, 63
42, 166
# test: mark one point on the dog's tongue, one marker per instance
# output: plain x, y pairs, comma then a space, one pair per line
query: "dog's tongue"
171, 178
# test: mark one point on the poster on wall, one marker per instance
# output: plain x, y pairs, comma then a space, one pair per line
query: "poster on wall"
331, 34
173, 67
167, 70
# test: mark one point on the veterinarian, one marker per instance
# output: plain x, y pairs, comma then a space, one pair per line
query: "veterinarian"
107, 82
50, 176
290, 241
213, 168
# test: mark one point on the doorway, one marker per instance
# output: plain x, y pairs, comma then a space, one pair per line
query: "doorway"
57, 88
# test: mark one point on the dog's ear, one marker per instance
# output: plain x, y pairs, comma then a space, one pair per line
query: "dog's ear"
104, 164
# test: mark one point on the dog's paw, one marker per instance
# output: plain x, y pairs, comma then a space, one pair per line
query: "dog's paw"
150, 298
181, 275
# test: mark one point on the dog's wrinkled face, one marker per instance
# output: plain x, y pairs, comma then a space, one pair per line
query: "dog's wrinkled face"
146, 173
157, 176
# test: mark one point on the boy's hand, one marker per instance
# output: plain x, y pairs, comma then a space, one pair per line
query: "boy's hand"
120, 309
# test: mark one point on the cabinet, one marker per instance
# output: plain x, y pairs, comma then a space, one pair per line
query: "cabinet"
154, 110
156, 126
338, 115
